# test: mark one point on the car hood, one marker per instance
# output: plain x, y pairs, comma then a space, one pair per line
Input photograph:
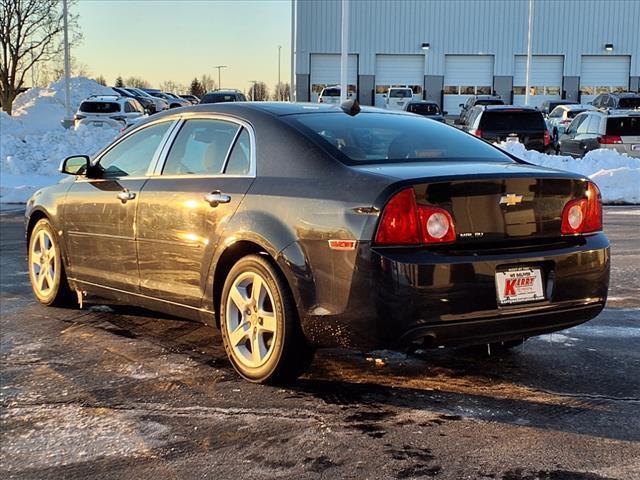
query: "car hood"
455, 169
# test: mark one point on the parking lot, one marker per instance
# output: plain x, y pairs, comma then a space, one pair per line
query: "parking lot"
113, 392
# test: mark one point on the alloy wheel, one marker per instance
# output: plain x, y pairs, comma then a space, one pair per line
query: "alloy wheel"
43, 263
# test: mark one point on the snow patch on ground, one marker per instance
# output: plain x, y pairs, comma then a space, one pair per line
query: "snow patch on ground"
33, 141
617, 175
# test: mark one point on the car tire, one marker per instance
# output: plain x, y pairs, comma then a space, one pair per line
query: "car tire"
46, 268
259, 323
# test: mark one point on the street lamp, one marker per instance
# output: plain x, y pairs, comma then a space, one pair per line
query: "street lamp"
219, 67
279, 87
425, 48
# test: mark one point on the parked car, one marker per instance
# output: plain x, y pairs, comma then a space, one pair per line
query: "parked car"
147, 103
548, 106
191, 98
617, 101
173, 100
332, 95
221, 96
616, 129
160, 103
397, 98
473, 101
293, 228
426, 108
109, 111
506, 123
560, 118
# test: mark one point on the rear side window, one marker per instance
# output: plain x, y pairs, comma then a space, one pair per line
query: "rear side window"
218, 97
512, 120
201, 147
99, 107
240, 159
629, 102
389, 138
423, 109
623, 126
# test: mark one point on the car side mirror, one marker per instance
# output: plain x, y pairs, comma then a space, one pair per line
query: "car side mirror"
384, 95
444, 112
461, 105
75, 165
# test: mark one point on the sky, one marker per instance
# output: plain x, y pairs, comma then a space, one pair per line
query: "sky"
178, 40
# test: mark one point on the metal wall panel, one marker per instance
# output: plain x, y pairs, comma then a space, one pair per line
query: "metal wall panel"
490, 27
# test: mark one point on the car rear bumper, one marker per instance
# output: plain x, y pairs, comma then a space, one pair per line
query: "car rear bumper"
398, 298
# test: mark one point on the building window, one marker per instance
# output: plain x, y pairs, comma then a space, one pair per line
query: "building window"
519, 90
618, 89
467, 90
483, 90
552, 90
584, 90
602, 89
451, 90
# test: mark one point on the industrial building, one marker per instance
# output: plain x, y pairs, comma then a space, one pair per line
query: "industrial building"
448, 50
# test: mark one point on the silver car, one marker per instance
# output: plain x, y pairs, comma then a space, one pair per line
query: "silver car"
561, 116
617, 130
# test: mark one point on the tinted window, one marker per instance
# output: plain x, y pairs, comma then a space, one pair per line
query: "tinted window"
218, 97
200, 147
623, 126
489, 102
629, 102
387, 138
240, 159
512, 120
99, 107
423, 108
131, 157
331, 92
557, 112
400, 93
573, 113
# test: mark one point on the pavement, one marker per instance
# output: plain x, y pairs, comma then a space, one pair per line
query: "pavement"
113, 392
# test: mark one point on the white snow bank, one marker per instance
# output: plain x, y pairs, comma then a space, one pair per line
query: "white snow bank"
617, 175
33, 141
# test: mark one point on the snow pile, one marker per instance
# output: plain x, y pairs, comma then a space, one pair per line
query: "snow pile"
33, 141
617, 175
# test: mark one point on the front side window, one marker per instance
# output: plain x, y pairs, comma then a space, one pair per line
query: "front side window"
387, 138
200, 147
132, 156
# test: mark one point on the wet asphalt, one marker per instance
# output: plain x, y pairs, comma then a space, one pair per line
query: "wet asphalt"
113, 392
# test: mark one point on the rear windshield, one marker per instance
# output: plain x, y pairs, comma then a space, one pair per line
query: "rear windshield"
512, 120
489, 102
218, 97
423, 108
331, 92
623, 126
404, 93
389, 138
99, 107
573, 113
633, 102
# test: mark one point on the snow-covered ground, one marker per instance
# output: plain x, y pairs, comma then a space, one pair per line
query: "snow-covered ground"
33, 142
617, 176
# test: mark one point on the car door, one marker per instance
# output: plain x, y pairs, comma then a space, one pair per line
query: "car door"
568, 143
100, 211
206, 172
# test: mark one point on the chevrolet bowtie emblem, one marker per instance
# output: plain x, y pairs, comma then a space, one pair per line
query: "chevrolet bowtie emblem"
510, 199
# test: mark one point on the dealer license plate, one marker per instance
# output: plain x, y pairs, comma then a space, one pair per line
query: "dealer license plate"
519, 285
97, 124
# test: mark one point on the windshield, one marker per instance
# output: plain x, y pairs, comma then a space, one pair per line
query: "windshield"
633, 102
388, 138
624, 126
512, 120
99, 107
400, 93
219, 97
331, 92
423, 108
573, 113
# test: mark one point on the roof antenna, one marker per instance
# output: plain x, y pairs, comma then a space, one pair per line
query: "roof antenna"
351, 107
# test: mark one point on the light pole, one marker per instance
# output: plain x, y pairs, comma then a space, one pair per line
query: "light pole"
528, 72
219, 67
425, 48
344, 54
279, 87
67, 122
253, 90
292, 90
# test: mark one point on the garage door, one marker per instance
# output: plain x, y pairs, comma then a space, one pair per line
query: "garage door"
399, 71
325, 71
466, 75
545, 82
603, 74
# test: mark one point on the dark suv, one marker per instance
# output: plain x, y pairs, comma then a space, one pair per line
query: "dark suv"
506, 123
617, 101
218, 96
473, 101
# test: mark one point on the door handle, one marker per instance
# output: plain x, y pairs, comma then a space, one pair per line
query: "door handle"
126, 195
215, 198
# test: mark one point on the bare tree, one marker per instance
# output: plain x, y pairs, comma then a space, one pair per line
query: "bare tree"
30, 32
259, 92
207, 83
172, 87
281, 92
101, 80
136, 82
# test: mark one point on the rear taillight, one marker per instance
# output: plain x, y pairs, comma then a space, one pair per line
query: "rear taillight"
547, 138
404, 222
609, 139
583, 215
477, 133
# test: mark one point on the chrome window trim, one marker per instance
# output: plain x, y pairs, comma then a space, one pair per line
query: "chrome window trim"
157, 173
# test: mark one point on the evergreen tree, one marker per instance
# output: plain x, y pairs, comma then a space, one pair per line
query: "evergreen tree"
119, 82
196, 88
